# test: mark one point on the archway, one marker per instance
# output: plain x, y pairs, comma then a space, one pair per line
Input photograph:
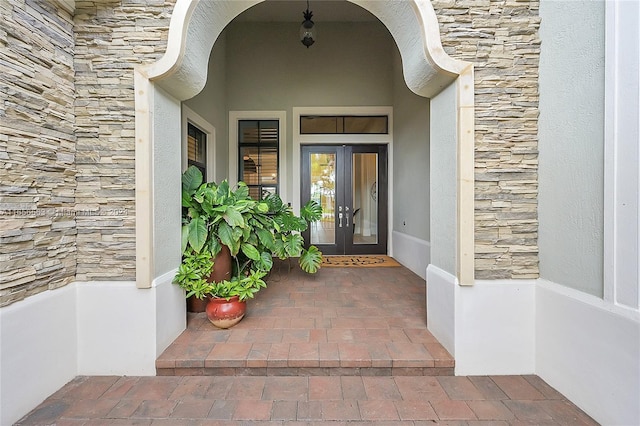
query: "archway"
182, 72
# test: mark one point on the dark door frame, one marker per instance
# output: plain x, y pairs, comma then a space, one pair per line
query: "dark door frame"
344, 237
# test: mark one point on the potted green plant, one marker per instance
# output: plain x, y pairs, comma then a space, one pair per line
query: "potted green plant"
218, 219
229, 302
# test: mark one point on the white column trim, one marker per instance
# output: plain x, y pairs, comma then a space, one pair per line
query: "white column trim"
622, 155
144, 178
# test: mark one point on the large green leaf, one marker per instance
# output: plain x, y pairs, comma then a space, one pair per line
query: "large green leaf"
233, 217
186, 199
290, 223
311, 260
311, 212
293, 244
197, 234
185, 238
242, 191
266, 261
266, 237
275, 203
214, 246
250, 251
225, 234
191, 179
223, 190
279, 249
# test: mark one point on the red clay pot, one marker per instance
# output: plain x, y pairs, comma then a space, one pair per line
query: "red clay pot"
222, 266
225, 313
197, 305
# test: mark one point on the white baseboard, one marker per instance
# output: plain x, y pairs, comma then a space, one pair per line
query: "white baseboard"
171, 311
122, 329
589, 350
84, 328
39, 350
495, 328
441, 300
116, 329
488, 328
413, 253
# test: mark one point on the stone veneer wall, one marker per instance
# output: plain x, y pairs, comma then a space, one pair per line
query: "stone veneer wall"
111, 38
37, 149
501, 39
68, 198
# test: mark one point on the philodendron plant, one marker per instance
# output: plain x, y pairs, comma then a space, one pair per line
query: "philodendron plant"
254, 230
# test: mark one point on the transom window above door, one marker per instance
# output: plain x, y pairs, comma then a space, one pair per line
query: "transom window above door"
344, 124
258, 142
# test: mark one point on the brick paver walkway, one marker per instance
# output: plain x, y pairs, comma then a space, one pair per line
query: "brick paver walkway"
401, 400
369, 321
344, 346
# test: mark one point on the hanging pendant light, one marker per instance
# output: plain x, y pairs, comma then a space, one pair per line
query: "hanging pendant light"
307, 32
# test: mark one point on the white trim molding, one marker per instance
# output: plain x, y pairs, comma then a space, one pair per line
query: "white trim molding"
413, 253
622, 154
189, 116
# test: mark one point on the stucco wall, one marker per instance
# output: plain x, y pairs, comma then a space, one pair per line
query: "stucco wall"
211, 104
572, 144
501, 39
37, 150
411, 158
268, 70
443, 172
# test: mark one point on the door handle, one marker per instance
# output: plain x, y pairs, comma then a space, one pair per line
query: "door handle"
346, 209
339, 220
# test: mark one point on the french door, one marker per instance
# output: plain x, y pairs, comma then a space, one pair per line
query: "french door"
350, 183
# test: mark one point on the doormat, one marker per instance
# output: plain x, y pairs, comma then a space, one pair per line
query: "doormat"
358, 261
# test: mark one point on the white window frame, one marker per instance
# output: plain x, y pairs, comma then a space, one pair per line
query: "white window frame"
190, 116
281, 117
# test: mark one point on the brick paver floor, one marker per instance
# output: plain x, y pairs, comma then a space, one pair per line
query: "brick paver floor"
352, 319
308, 400
344, 346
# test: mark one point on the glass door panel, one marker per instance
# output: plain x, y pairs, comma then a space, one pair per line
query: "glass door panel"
350, 183
364, 190
323, 191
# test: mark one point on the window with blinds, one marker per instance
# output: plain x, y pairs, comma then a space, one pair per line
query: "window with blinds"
258, 163
197, 148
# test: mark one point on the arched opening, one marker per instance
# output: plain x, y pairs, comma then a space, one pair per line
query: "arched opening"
182, 73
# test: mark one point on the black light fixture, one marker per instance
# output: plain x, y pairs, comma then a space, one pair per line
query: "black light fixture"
307, 33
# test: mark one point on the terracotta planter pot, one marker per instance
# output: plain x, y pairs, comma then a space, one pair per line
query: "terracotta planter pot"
222, 266
197, 305
225, 313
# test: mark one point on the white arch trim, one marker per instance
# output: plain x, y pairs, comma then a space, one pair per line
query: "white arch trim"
182, 73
